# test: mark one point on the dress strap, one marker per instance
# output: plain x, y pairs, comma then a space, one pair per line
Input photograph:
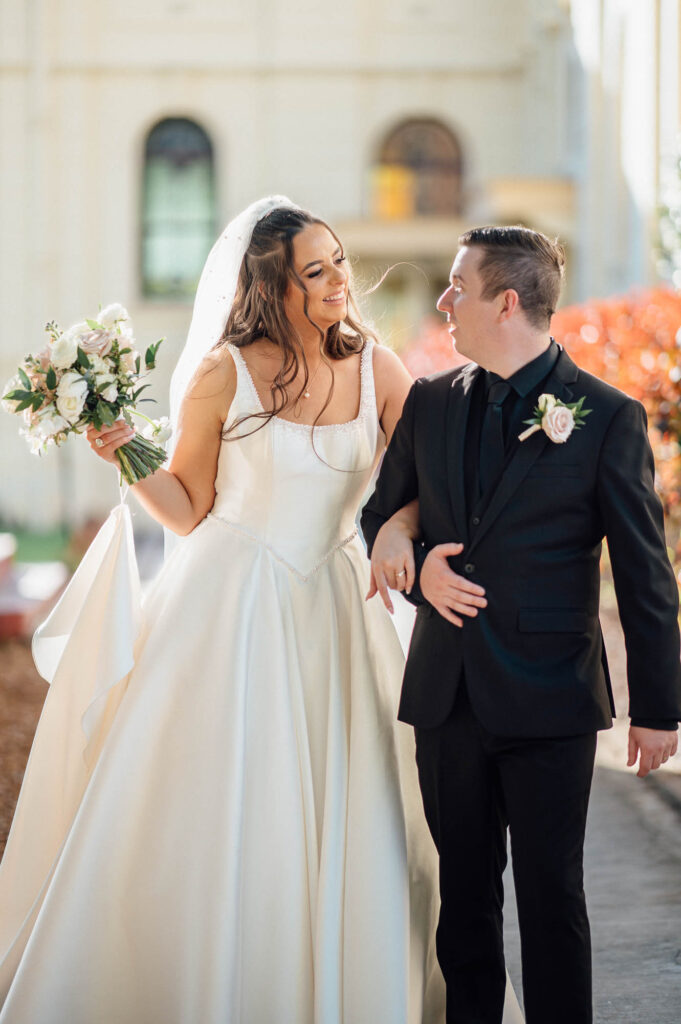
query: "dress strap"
367, 383
246, 399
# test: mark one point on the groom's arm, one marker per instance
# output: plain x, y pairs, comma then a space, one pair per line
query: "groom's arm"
397, 485
647, 593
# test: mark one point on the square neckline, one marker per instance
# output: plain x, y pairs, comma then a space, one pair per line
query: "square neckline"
364, 362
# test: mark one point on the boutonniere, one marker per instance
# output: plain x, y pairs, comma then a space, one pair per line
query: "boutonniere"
557, 419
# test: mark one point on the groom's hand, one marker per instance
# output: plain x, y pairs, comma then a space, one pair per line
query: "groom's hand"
448, 592
654, 745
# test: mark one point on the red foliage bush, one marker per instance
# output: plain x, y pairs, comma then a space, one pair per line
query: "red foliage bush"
631, 341
634, 342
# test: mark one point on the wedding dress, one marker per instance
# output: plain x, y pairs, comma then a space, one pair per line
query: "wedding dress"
229, 831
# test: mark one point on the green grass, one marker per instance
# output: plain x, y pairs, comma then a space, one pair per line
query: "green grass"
39, 547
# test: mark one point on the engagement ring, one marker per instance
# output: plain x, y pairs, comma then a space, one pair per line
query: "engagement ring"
99, 443
403, 572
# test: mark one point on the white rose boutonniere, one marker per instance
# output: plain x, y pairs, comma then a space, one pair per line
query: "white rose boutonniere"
557, 419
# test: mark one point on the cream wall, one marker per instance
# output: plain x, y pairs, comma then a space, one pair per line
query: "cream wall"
296, 97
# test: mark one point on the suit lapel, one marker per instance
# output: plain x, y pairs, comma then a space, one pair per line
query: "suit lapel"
527, 452
458, 408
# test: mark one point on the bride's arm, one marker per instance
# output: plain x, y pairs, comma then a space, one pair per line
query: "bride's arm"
393, 549
180, 497
397, 561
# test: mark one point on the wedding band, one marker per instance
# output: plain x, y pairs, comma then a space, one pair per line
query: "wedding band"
99, 443
403, 572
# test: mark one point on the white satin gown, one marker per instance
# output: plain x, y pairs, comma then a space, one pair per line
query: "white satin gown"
220, 823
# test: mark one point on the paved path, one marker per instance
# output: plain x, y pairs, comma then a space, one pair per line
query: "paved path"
633, 886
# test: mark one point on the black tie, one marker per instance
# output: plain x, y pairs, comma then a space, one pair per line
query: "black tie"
492, 436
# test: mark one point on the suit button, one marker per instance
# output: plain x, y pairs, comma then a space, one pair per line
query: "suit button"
469, 568
476, 520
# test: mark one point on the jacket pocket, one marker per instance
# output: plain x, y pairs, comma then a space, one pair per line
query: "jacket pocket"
552, 620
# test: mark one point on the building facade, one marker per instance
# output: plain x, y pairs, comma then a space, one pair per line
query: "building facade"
132, 131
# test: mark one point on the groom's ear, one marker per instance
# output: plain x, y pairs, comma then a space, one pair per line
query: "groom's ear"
508, 303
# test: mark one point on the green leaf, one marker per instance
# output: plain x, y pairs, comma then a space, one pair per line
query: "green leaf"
137, 365
150, 354
24, 404
17, 395
93, 325
106, 413
82, 359
51, 380
23, 377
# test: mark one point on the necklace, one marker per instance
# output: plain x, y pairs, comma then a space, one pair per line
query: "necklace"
306, 393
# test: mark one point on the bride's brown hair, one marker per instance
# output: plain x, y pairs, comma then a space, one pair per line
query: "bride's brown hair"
258, 311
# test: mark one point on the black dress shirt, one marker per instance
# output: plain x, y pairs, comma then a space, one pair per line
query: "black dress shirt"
526, 386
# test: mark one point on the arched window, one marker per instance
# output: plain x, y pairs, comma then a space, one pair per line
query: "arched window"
178, 207
418, 172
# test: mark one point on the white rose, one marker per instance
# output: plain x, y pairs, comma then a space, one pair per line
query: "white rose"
71, 394
64, 351
110, 393
558, 423
50, 423
546, 402
159, 431
77, 332
99, 366
111, 314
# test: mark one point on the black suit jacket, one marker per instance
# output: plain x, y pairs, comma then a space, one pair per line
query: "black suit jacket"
534, 660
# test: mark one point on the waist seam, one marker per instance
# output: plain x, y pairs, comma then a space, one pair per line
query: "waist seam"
303, 577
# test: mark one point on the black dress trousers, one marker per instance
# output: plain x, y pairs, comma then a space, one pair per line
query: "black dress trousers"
474, 785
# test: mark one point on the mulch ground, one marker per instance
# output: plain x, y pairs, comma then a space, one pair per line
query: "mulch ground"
22, 693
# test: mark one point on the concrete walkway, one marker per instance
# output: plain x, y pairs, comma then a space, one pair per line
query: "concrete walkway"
633, 886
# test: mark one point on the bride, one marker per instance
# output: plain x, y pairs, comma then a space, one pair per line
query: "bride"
234, 835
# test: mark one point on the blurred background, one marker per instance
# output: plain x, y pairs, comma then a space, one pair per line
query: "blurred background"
133, 131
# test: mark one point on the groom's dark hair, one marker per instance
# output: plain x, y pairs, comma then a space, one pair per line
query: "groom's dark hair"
524, 260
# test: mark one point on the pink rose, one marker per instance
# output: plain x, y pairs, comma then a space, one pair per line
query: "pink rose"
558, 423
98, 342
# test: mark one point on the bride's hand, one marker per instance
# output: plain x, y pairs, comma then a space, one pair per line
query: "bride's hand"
392, 561
104, 442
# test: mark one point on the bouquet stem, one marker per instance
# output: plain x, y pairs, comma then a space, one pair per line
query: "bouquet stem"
139, 458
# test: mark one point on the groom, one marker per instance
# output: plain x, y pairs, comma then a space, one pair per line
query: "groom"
507, 697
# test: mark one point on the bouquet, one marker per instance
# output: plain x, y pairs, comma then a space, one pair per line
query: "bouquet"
89, 374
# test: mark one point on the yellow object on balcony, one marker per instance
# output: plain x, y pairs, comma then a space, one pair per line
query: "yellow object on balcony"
393, 192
